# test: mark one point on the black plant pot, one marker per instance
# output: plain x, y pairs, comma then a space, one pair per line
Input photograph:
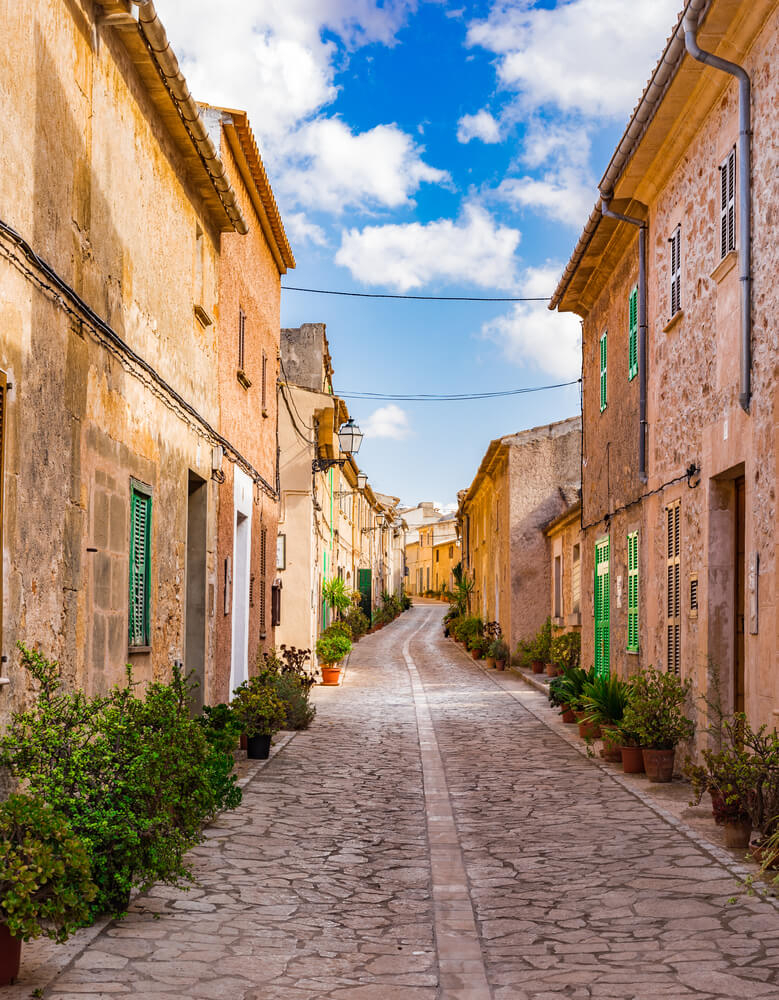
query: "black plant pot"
258, 747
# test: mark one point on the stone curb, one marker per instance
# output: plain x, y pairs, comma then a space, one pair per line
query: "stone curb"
738, 871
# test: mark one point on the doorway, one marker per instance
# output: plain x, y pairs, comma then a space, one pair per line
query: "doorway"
738, 577
195, 612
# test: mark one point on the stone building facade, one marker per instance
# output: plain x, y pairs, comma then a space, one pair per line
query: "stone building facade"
113, 222
250, 269
524, 481
565, 565
679, 559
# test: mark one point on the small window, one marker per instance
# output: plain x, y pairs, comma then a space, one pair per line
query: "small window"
676, 271
558, 586
264, 380
633, 335
140, 565
437, 554
576, 579
632, 644
241, 340
673, 587
694, 596
603, 367
728, 204
451, 551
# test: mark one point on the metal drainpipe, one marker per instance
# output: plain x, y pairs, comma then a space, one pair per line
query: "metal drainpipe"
642, 325
690, 26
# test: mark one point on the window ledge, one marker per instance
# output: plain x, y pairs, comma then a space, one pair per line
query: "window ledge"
203, 316
243, 378
725, 266
678, 315
138, 649
632, 652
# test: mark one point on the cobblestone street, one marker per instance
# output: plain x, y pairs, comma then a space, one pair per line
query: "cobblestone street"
430, 838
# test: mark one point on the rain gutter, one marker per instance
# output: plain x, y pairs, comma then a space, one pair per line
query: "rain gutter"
690, 24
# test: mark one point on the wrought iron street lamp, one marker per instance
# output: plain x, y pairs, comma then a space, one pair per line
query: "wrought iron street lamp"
362, 480
349, 440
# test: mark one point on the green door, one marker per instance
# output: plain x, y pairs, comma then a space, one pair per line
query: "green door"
602, 608
364, 585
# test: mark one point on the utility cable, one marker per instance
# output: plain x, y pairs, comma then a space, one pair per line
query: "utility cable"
690, 472
418, 298
71, 302
448, 397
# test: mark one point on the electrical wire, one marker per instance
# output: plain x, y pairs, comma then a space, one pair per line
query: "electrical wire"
417, 298
71, 303
449, 397
691, 471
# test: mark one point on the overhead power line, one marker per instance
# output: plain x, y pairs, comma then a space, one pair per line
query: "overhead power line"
417, 298
448, 397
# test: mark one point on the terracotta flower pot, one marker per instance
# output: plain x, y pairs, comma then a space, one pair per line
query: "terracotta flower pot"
611, 754
330, 674
632, 760
490, 661
659, 764
476, 654
589, 730
759, 855
500, 664
567, 714
552, 670
538, 666
737, 832
10, 956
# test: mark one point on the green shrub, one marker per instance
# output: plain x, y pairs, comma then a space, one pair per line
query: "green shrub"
137, 778
479, 644
568, 689
656, 710
339, 628
294, 696
498, 649
257, 708
605, 699
566, 649
405, 602
332, 648
45, 883
335, 594
468, 628
357, 621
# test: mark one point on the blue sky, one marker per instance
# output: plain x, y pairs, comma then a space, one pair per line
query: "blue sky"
433, 148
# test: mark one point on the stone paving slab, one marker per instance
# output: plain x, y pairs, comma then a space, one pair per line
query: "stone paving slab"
430, 839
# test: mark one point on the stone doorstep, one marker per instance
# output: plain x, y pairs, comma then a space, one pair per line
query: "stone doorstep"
739, 870
43, 960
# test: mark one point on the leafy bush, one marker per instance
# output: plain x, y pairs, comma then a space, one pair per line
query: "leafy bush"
257, 708
468, 628
45, 883
220, 726
341, 628
656, 710
498, 649
405, 602
332, 648
357, 621
479, 644
567, 689
136, 778
542, 644
294, 696
566, 649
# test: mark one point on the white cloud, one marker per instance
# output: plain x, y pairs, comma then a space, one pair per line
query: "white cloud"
532, 335
588, 56
479, 126
388, 421
300, 229
335, 169
278, 60
563, 194
475, 249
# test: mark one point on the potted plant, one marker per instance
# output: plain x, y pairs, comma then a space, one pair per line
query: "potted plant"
260, 714
566, 649
656, 715
478, 646
611, 751
45, 879
603, 700
336, 595
631, 751
330, 650
568, 689
499, 653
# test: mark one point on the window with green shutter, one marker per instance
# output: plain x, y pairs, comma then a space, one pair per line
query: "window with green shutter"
633, 335
140, 564
602, 608
632, 592
603, 364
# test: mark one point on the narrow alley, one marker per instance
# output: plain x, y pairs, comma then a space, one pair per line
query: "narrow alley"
430, 838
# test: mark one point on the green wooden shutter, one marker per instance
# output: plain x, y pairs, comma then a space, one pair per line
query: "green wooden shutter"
673, 588
602, 608
3, 421
633, 592
633, 335
603, 364
140, 567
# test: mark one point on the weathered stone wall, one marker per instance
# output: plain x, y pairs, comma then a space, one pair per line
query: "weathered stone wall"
693, 409
91, 179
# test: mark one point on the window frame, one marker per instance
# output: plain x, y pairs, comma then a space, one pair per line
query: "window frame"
633, 333
633, 590
604, 367
727, 216
140, 639
675, 287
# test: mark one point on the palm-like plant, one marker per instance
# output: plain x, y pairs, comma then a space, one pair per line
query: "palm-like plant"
335, 594
605, 699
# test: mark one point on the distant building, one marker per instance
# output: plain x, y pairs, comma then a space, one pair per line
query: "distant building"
524, 481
